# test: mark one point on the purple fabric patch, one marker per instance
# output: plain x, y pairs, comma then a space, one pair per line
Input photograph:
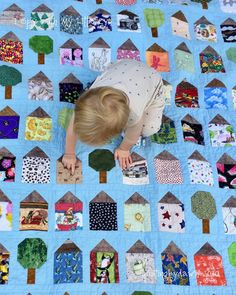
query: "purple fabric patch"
9, 127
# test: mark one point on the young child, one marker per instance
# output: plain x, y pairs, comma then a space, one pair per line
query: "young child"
126, 97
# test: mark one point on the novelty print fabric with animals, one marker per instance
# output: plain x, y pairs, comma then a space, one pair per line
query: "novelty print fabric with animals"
167, 224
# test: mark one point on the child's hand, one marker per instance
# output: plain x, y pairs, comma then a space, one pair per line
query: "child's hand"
123, 157
69, 161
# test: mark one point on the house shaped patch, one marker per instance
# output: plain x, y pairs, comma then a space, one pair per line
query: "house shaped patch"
215, 95
38, 125
184, 58
167, 90
71, 21
186, 95
168, 169
13, 15
34, 213
205, 30
68, 264
7, 165
228, 6
100, 20
180, 25
234, 96
221, 132
36, 167
102, 213
137, 214
104, 264
140, 264
137, 173
99, 55
4, 262
128, 21
209, 267
211, 61
174, 266
68, 213
40, 87
192, 130
167, 132
228, 30
42, 18
9, 123
70, 89
64, 175
200, 170
171, 216
6, 212
11, 49
157, 58
229, 213
71, 54
226, 168
128, 50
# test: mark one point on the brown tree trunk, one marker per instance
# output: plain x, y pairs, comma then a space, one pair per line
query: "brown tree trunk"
98, 1
204, 4
8, 92
206, 226
154, 32
31, 276
102, 176
41, 58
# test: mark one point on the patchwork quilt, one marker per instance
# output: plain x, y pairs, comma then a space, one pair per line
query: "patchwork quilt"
167, 224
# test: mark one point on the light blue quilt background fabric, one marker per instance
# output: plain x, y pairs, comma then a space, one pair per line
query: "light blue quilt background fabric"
193, 238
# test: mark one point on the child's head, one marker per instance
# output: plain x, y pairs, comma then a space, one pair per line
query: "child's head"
100, 114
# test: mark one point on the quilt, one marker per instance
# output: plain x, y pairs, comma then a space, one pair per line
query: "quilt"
167, 224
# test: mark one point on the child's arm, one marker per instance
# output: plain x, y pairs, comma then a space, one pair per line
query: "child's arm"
69, 158
132, 134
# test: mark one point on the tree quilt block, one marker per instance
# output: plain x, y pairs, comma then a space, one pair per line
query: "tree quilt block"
36, 167
226, 168
180, 25
154, 18
174, 266
171, 214
167, 132
68, 213
40, 87
70, 89
205, 30
192, 130
13, 15
9, 77
34, 213
9, 123
38, 126
103, 213
211, 61
104, 264
42, 18
168, 169
4, 262
200, 170
7, 165
99, 55
137, 173
68, 264
11, 49
184, 58
100, 20
228, 30
229, 216
215, 95
71, 21
71, 54
137, 214
221, 132
140, 264
209, 267
128, 21
186, 95
64, 175
42, 45
128, 50
157, 58
5, 213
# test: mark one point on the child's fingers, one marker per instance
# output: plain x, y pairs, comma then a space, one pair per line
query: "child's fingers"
130, 160
72, 169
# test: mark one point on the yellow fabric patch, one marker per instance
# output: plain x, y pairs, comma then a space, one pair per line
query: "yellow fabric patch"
38, 128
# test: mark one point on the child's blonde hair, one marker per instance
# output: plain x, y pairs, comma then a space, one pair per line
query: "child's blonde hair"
100, 114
